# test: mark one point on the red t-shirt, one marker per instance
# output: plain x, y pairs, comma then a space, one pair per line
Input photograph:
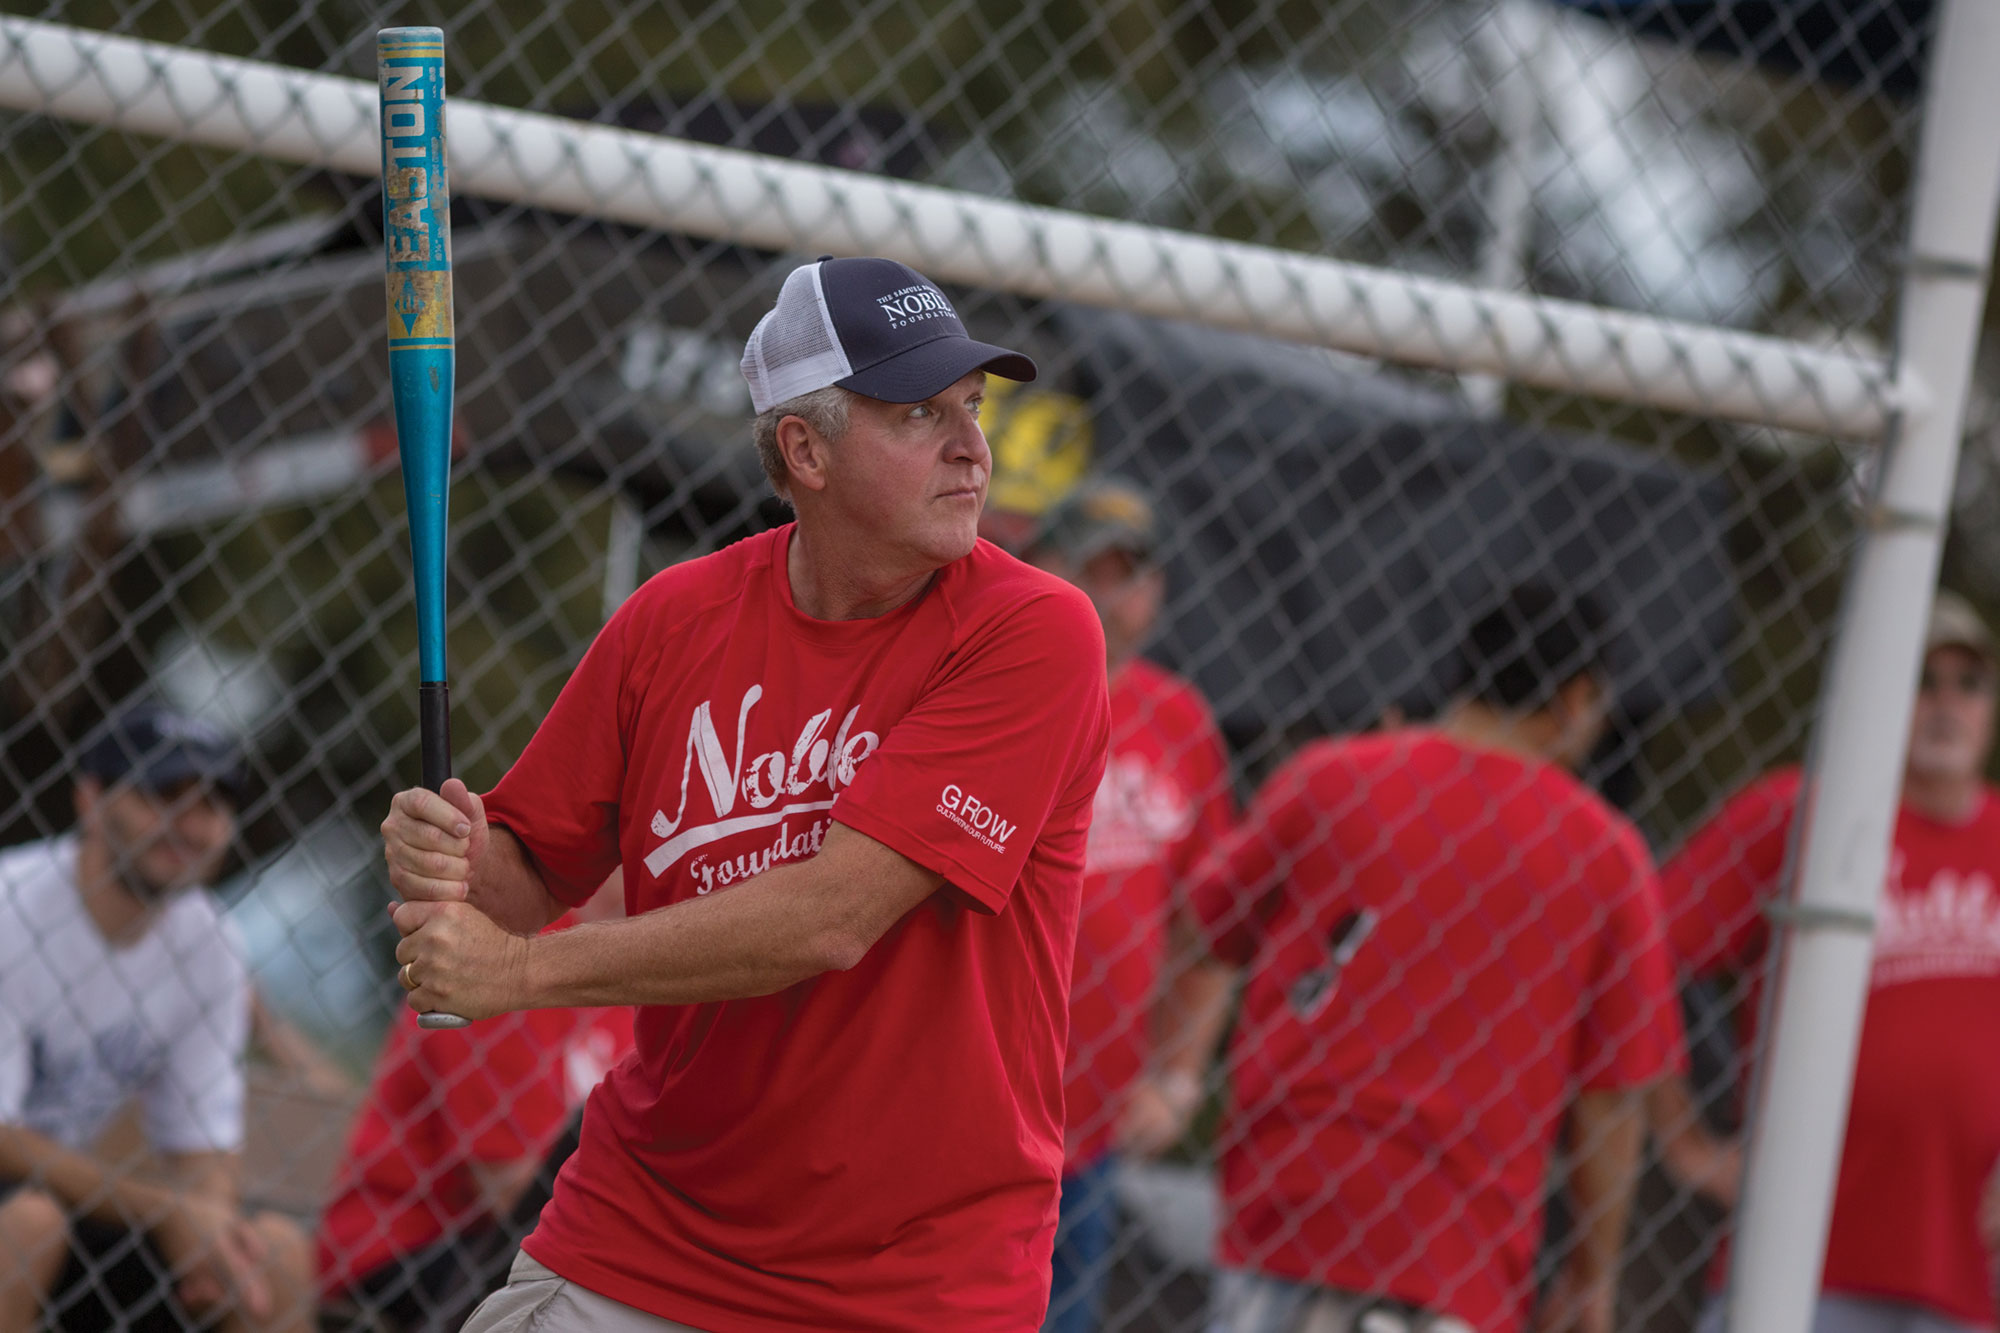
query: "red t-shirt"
877, 1148
1923, 1123
441, 1102
1449, 944
1163, 804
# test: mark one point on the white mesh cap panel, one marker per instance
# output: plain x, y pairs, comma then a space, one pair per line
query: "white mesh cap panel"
794, 350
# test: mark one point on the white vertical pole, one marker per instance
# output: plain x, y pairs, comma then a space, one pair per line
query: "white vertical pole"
1515, 35
624, 538
1800, 1115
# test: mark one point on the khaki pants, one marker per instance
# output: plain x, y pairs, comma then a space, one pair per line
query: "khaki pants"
536, 1300
1246, 1302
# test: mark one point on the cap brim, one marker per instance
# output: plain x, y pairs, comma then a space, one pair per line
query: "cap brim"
930, 368
179, 766
1091, 545
1977, 645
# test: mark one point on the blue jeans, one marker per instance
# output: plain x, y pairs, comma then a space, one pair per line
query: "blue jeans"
1084, 1231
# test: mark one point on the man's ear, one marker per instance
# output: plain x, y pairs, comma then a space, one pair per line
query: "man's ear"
1582, 695
804, 452
85, 796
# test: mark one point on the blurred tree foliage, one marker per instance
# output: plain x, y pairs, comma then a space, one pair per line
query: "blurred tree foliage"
984, 74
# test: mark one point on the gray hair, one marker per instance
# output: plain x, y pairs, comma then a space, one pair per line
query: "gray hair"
825, 410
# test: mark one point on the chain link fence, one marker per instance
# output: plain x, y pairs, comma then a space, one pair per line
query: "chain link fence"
199, 500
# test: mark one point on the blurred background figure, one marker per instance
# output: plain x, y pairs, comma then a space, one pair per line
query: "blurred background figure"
1133, 1078
1905, 1252
457, 1130
118, 981
1453, 946
1042, 443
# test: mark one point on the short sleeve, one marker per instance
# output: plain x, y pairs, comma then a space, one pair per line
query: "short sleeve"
14, 1068
19, 942
1632, 1031
500, 1083
561, 796
1237, 886
195, 1103
965, 782
1714, 888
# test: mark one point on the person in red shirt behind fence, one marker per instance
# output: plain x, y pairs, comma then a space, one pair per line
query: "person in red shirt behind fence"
1905, 1252
1133, 1077
1452, 944
848, 766
455, 1127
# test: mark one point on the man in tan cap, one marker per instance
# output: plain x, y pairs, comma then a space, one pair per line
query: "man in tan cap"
1132, 1078
1905, 1253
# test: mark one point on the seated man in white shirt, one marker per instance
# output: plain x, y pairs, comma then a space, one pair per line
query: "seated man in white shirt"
117, 981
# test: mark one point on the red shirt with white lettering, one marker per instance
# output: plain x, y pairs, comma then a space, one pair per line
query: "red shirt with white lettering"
1163, 804
878, 1148
439, 1104
1923, 1124
1449, 944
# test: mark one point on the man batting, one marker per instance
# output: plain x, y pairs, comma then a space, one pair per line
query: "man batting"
848, 767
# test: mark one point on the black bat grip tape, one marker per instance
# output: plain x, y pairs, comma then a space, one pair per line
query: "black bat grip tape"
434, 731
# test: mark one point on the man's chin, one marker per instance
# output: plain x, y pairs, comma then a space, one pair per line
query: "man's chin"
149, 891
153, 887
954, 544
1941, 763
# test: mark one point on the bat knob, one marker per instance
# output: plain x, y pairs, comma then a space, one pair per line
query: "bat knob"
438, 1022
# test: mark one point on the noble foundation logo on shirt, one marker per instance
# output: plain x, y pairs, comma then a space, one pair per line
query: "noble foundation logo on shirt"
976, 817
1948, 928
911, 305
817, 766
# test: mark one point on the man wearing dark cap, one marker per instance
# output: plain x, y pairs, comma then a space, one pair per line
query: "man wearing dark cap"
117, 982
847, 767
1904, 1252
1134, 1074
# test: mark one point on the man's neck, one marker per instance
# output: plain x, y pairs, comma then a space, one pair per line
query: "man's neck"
1486, 728
120, 916
1947, 799
830, 584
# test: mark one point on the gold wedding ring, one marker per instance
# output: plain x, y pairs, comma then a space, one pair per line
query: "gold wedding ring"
409, 982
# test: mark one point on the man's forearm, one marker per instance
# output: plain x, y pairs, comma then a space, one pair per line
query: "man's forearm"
80, 1182
1608, 1132
1695, 1158
508, 887
789, 923
1194, 1008
750, 940
216, 1176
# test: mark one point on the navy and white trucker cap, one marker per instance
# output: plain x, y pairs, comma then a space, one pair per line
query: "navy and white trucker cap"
154, 747
876, 327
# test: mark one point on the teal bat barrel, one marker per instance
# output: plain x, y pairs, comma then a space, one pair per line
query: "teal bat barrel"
416, 232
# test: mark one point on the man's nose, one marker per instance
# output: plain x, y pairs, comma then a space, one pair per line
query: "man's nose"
969, 443
195, 819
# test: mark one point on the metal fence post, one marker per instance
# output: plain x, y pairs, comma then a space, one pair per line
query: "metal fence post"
1854, 779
